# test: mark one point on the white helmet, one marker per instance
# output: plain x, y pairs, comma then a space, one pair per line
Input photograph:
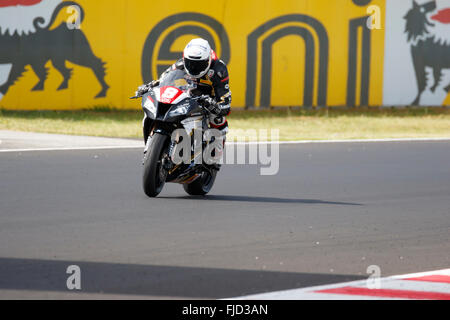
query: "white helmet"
197, 58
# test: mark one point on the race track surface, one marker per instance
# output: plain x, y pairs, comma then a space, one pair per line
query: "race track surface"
331, 212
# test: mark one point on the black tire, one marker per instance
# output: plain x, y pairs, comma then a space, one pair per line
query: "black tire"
202, 185
152, 182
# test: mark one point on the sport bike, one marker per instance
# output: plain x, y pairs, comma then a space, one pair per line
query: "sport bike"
177, 116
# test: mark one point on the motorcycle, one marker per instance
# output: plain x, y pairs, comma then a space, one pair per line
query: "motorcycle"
171, 106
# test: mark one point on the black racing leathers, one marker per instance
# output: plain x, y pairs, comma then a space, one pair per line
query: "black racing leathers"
215, 84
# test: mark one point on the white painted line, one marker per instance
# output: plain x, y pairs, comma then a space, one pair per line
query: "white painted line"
443, 272
343, 141
390, 283
305, 295
415, 285
295, 294
71, 149
235, 143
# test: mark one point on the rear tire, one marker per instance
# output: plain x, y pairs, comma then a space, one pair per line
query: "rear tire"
202, 185
154, 177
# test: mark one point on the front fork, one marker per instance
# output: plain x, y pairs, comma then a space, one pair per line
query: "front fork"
147, 124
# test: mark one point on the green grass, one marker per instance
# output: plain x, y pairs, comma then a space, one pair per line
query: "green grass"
320, 124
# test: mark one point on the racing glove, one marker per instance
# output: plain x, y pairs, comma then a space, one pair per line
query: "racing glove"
146, 87
212, 106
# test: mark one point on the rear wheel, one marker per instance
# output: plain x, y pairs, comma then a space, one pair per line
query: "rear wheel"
202, 185
154, 176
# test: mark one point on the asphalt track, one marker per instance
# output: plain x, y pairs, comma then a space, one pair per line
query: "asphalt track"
330, 212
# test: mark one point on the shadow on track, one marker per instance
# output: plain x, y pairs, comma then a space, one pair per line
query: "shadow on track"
154, 280
253, 199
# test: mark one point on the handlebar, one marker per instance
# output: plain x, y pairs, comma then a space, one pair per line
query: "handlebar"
202, 97
140, 96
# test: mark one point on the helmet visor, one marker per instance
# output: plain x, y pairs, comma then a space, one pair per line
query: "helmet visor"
196, 67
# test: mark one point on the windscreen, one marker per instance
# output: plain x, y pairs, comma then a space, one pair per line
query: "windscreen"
177, 78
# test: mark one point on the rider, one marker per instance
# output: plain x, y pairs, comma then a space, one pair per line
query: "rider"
201, 65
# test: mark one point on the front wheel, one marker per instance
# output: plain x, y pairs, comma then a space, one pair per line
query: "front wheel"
202, 185
154, 176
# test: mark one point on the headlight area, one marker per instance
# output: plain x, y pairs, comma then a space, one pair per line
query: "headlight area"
150, 106
179, 110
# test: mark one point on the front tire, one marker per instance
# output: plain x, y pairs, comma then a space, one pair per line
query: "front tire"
202, 185
154, 176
